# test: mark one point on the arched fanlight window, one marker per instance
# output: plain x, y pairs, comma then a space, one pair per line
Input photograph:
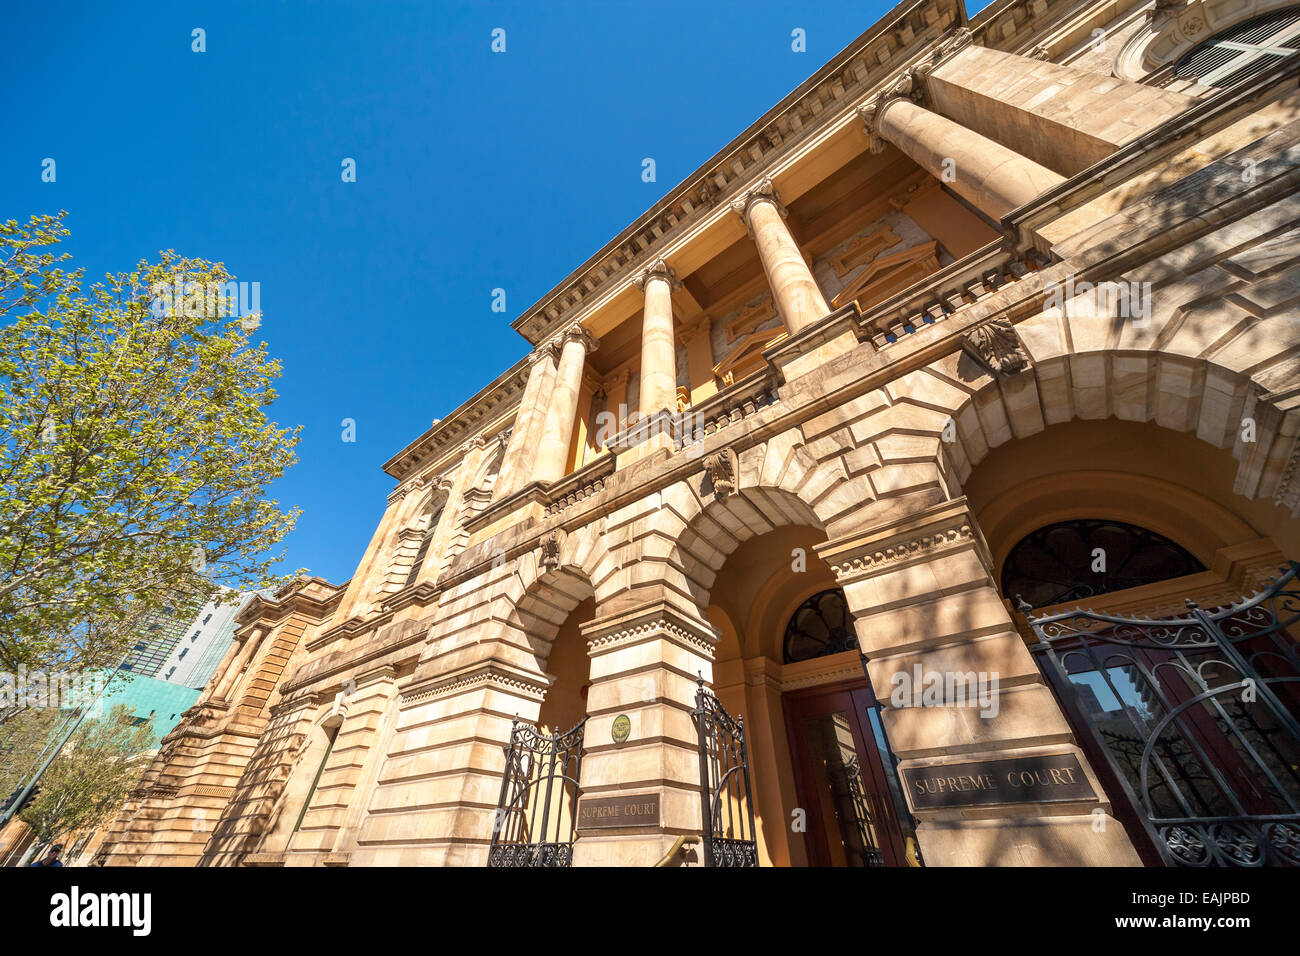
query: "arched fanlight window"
1238, 53
822, 625
1071, 560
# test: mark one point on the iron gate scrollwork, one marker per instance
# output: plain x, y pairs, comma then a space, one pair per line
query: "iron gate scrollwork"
726, 805
536, 815
1196, 716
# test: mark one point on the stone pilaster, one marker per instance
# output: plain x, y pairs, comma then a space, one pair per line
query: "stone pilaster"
644, 666
922, 597
517, 465
798, 297
435, 802
557, 432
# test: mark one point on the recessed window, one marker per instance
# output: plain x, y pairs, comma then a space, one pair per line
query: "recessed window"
1240, 52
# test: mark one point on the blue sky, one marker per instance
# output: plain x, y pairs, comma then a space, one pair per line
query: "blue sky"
475, 170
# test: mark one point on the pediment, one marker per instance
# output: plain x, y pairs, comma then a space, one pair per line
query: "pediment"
889, 274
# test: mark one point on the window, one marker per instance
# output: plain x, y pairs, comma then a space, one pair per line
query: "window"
423, 550
1071, 560
333, 732
1238, 53
820, 626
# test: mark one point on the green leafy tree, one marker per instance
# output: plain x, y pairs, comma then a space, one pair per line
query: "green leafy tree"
135, 449
92, 776
22, 741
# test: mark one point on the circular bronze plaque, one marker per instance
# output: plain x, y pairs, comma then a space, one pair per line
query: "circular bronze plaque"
622, 728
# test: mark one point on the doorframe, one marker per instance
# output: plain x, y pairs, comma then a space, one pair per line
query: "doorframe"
860, 698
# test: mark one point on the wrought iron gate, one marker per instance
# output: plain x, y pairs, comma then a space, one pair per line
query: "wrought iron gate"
537, 812
726, 806
1196, 716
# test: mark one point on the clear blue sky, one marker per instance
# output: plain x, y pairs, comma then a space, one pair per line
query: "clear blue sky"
475, 171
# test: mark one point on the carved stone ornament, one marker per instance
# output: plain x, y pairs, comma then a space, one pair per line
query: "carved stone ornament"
763, 191
995, 346
547, 350
576, 332
721, 469
658, 269
551, 545
906, 86
868, 113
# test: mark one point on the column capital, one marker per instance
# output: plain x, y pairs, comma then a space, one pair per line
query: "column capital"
762, 191
657, 269
907, 86
543, 351
576, 333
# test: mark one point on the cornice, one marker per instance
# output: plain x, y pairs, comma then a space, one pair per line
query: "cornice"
887, 45
920, 536
526, 685
296, 601
446, 435
612, 632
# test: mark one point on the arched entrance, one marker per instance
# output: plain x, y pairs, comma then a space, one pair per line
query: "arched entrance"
1161, 613
824, 785
845, 774
536, 820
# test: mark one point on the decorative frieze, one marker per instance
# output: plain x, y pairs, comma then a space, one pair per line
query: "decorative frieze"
532, 688
919, 536
608, 634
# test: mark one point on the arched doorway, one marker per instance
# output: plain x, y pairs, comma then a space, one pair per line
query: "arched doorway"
845, 774
536, 821
1132, 577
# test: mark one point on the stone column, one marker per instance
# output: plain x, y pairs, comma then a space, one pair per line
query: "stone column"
991, 177
644, 666
924, 604
517, 465
798, 297
1061, 116
658, 348
553, 447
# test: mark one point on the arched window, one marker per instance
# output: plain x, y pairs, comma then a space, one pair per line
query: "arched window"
1071, 560
822, 625
1238, 53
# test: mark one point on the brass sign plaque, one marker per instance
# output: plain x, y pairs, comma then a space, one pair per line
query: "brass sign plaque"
597, 813
1052, 779
621, 728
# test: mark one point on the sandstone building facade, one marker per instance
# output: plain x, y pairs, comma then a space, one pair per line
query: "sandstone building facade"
987, 320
